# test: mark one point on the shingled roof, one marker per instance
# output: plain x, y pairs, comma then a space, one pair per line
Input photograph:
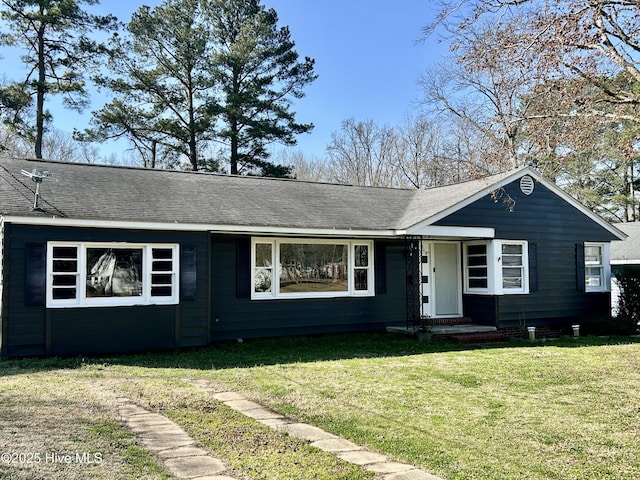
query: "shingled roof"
115, 193
627, 252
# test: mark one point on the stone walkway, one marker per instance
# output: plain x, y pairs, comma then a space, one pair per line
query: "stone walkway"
184, 460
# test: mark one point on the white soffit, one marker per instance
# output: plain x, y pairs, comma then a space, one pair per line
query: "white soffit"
453, 232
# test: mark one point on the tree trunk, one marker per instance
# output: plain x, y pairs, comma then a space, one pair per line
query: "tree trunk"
40, 92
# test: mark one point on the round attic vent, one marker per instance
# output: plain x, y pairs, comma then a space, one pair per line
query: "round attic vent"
527, 185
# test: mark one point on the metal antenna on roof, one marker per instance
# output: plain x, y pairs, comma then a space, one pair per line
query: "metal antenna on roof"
37, 176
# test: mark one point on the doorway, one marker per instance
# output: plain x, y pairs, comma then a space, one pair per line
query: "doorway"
441, 279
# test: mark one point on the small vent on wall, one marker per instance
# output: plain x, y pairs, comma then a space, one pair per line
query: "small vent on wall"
527, 184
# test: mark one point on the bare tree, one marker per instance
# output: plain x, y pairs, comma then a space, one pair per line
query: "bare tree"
361, 153
593, 40
483, 86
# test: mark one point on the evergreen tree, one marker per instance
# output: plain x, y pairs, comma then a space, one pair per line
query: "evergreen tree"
162, 84
58, 52
258, 72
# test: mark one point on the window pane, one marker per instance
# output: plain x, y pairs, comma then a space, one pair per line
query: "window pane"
161, 291
263, 279
361, 279
362, 255
162, 253
511, 249
511, 282
511, 260
64, 280
480, 260
162, 266
66, 266
592, 255
263, 255
477, 249
65, 252
478, 272
313, 268
478, 283
161, 279
114, 272
63, 293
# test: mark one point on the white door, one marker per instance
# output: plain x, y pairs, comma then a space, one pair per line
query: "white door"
446, 279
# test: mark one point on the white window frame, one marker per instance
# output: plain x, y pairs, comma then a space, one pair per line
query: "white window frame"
276, 268
81, 300
605, 267
500, 288
490, 278
495, 284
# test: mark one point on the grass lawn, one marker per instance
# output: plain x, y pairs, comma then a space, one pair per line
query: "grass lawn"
558, 410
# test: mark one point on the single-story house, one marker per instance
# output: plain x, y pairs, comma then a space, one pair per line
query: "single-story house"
624, 255
102, 259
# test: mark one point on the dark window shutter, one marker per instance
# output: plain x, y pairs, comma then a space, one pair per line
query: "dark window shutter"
380, 266
580, 281
533, 267
36, 274
188, 273
243, 264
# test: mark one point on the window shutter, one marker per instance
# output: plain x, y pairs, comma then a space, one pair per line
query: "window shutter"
243, 265
580, 281
36, 274
188, 273
380, 265
533, 267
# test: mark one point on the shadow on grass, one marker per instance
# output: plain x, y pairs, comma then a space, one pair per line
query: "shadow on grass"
286, 350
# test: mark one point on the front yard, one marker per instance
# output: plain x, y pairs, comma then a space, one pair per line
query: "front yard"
559, 410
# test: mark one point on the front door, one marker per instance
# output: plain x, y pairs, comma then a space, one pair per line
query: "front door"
441, 280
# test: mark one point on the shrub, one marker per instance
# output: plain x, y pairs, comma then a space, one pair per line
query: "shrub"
628, 280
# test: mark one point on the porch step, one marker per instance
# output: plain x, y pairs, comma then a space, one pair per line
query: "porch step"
448, 321
480, 337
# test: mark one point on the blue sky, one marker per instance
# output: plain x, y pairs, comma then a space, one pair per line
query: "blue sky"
366, 57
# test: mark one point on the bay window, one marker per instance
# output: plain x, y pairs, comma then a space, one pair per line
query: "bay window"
294, 268
496, 267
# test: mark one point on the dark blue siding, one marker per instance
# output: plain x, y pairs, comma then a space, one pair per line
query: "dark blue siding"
35, 330
556, 227
234, 315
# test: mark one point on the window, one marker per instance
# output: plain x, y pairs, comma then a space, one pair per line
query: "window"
597, 271
514, 260
285, 268
496, 267
476, 267
92, 274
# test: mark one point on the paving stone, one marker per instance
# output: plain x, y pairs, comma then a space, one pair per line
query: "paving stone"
362, 457
261, 413
335, 445
243, 405
141, 423
131, 409
229, 396
158, 441
388, 467
414, 474
188, 451
304, 431
274, 422
190, 467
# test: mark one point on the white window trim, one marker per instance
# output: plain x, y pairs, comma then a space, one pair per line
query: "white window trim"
605, 285
81, 300
494, 268
275, 283
497, 252
490, 277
